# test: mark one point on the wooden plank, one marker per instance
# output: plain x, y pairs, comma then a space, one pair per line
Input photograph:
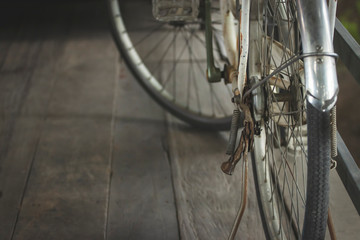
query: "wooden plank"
66, 194
207, 199
66, 175
141, 202
28, 74
19, 95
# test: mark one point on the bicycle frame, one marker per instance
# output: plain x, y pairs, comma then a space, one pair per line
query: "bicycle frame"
316, 33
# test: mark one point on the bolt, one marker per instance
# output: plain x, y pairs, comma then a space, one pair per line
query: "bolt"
319, 60
319, 48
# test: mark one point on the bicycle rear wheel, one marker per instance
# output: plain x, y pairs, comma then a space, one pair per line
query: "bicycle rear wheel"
169, 61
291, 156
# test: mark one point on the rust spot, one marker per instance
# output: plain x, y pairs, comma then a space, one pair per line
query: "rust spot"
237, 43
246, 82
240, 18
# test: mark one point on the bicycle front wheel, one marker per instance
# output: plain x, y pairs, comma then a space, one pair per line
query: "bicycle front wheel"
292, 148
169, 61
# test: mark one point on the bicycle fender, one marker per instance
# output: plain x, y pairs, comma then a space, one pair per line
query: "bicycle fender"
320, 70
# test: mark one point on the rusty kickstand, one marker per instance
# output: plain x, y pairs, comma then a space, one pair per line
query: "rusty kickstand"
244, 147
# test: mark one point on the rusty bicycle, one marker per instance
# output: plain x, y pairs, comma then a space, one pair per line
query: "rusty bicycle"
264, 66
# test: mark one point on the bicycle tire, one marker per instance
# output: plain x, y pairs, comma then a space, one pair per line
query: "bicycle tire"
196, 111
291, 157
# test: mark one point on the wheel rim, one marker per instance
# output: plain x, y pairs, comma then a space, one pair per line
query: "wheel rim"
170, 58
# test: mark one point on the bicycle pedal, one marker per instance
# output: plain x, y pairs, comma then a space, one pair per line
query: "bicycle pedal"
229, 166
235, 123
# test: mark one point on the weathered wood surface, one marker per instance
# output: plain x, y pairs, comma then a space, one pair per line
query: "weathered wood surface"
72, 124
86, 154
69, 177
141, 195
56, 171
24, 95
207, 199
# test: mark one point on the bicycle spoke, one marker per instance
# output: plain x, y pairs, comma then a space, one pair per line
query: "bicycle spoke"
285, 150
200, 68
167, 49
158, 44
174, 68
148, 35
193, 71
159, 52
213, 94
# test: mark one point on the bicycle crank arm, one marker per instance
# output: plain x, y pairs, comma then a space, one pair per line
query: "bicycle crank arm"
213, 73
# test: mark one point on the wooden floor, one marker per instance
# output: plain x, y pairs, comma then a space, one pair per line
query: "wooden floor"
86, 154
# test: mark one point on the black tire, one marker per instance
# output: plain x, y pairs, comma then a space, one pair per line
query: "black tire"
317, 196
219, 117
291, 158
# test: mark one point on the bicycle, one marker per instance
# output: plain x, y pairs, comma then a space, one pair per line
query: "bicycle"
279, 68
